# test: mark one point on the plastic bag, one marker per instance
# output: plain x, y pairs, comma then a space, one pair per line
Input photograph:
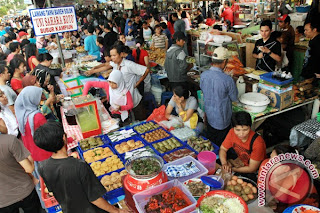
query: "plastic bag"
174, 121
158, 114
192, 122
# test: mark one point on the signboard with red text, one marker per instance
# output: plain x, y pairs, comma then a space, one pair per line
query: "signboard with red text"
53, 20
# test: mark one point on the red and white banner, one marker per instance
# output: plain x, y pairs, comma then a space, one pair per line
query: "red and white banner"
53, 20
249, 1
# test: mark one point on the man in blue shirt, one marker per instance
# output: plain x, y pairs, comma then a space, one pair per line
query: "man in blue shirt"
219, 90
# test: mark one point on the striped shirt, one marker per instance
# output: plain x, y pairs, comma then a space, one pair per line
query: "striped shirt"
159, 41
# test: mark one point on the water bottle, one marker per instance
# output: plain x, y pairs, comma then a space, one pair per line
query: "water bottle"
199, 128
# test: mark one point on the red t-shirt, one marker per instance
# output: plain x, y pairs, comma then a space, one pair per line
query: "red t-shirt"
210, 21
170, 27
16, 84
36, 153
242, 148
228, 14
31, 65
143, 53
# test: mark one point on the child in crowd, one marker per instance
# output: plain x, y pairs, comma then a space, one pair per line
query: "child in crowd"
299, 34
17, 68
159, 40
118, 96
74, 192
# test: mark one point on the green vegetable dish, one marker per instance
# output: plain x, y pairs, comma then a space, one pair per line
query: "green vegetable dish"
167, 145
145, 166
146, 127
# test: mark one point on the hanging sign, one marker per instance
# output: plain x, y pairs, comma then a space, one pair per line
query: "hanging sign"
128, 4
59, 3
53, 20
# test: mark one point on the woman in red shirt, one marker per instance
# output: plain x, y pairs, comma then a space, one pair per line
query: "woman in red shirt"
17, 68
210, 19
140, 55
31, 57
171, 25
29, 119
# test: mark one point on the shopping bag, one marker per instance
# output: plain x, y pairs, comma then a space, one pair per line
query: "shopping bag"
158, 114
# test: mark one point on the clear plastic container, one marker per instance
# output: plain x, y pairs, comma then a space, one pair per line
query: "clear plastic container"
203, 171
143, 197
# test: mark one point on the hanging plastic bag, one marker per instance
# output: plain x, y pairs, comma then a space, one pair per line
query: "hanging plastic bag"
158, 114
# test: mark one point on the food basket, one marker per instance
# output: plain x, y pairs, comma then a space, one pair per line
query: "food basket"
103, 139
153, 132
143, 197
135, 138
225, 194
49, 201
144, 130
103, 146
130, 161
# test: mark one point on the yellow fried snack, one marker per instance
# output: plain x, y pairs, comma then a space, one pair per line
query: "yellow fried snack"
110, 164
111, 182
97, 154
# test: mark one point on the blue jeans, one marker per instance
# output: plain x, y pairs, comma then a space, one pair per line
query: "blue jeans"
36, 175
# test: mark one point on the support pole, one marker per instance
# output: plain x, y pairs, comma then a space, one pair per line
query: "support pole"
276, 16
58, 41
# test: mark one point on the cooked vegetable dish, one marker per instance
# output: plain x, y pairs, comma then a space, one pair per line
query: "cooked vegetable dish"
145, 166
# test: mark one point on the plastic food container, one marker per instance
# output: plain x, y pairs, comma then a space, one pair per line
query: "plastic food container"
208, 159
142, 198
203, 171
254, 102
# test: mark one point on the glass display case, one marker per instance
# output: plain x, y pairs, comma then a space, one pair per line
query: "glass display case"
88, 117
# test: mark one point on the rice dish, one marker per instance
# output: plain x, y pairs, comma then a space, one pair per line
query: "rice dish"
220, 204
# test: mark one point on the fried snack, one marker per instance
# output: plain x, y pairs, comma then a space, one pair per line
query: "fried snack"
113, 181
128, 146
109, 165
97, 154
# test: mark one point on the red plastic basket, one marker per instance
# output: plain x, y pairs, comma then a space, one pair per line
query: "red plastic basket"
48, 200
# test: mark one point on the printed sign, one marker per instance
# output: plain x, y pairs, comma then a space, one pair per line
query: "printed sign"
53, 20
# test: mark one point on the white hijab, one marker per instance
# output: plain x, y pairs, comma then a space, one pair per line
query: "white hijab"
118, 97
9, 119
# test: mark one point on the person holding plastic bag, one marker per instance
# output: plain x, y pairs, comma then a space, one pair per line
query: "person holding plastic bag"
118, 96
185, 106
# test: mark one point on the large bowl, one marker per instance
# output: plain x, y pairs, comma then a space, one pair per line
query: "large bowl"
225, 194
144, 177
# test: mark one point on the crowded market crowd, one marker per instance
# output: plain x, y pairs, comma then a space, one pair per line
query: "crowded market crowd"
30, 98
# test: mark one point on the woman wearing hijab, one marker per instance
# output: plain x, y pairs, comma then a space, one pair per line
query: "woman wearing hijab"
48, 99
10, 123
118, 96
29, 119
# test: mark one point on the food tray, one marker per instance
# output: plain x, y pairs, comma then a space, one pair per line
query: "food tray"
184, 147
182, 143
136, 150
47, 200
268, 77
103, 146
112, 196
55, 209
103, 138
135, 138
111, 136
102, 160
170, 135
203, 171
216, 148
143, 197
142, 124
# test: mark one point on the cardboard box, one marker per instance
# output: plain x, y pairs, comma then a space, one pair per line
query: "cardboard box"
280, 101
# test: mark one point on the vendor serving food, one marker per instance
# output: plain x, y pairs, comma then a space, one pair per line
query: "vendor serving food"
249, 147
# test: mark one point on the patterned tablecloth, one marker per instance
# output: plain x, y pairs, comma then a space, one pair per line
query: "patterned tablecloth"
74, 131
304, 133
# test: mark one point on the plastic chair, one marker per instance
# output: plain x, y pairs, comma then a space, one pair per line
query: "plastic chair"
149, 102
166, 96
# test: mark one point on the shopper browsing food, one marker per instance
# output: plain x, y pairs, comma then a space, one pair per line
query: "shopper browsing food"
72, 181
219, 90
118, 96
249, 147
267, 50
